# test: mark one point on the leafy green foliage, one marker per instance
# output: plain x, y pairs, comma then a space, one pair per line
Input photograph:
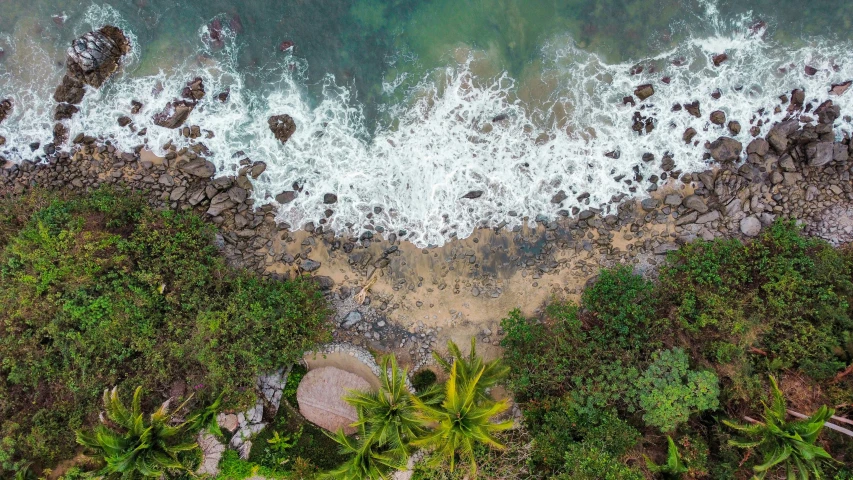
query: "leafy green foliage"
674, 467
669, 391
622, 305
205, 417
132, 446
423, 379
585, 462
296, 374
93, 288
785, 444
467, 367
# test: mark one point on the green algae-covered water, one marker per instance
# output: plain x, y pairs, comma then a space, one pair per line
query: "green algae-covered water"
409, 105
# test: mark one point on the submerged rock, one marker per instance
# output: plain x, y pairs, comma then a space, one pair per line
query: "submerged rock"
282, 126
473, 194
5, 109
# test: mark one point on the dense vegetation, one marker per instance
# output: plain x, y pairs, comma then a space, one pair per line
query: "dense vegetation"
606, 381
102, 291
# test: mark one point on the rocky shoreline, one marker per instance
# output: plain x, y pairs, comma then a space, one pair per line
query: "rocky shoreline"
391, 296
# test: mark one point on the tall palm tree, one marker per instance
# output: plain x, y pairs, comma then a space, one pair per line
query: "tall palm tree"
471, 365
783, 443
463, 419
388, 417
132, 446
367, 460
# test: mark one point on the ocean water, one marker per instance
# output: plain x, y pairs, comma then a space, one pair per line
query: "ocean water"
409, 105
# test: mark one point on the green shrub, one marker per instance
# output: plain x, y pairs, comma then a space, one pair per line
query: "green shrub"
293, 380
423, 379
584, 462
101, 290
669, 391
623, 305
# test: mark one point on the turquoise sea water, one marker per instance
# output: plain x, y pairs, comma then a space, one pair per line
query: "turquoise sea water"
395, 101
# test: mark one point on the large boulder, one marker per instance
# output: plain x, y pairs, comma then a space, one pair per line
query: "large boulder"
725, 149
320, 397
91, 60
283, 127
174, 114
198, 167
819, 153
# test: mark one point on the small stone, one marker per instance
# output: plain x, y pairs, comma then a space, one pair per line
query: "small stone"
750, 226
473, 194
718, 117
330, 198
310, 265
351, 319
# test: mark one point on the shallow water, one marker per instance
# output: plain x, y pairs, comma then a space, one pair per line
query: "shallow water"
395, 101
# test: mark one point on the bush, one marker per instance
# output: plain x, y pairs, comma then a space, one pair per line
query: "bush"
423, 379
584, 462
623, 305
102, 290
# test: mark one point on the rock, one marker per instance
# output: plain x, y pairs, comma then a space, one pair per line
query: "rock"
559, 197
5, 109
718, 117
351, 319
95, 56
734, 127
310, 265
285, 197
758, 146
819, 153
330, 198
60, 133
809, 70
827, 112
2, 140
473, 194
719, 59
174, 114
786, 163
227, 422
177, 193
694, 202
321, 398
688, 135
725, 149
840, 153
211, 454
644, 91
750, 226
778, 135
708, 217
693, 109
649, 204
282, 126
199, 168
667, 163
135, 107
257, 169
673, 199
840, 88
324, 283
194, 90
64, 111
69, 90
237, 194
123, 121
798, 97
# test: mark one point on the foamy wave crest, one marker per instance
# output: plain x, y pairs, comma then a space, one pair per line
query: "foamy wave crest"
458, 133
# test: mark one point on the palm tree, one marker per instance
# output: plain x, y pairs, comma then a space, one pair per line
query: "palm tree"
388, 417
492, 372
367, 460
462, 420
129, 445
781, 442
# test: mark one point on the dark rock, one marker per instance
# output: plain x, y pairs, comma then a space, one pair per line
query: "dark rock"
286, 45
64, 111
734, 127
725, 149
124, 121
827, 112
559, 197
5, 109
649, 204
694, 202
194, 90
719, 59
758, 146
282, 126
309, 265
135, 107
174, 114
60, 133
778, 135
330, 198
323, 282
198, 167
840, 153
473, 194
840, 88
810, 70
223, 96
688, 135
257, 169
693, 109
718, 117
628, 100
798, 97
2, 140
819, 153
644, 91
285, 197
667, 164
91, 60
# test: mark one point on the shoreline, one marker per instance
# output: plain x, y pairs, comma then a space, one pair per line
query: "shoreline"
420, 298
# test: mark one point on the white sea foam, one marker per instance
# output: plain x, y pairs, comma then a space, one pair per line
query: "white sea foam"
443, 143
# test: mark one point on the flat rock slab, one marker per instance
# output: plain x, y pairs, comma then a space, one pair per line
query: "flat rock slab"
320, 397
